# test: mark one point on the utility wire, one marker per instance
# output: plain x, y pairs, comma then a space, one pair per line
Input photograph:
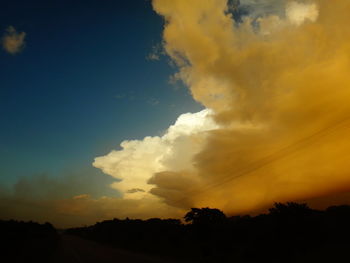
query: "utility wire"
280, 154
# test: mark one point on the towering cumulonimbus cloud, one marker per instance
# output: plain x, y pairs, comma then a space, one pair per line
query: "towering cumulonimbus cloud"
276, 80
279, 86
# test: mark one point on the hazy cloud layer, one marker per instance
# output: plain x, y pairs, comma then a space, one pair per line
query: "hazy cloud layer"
41, 197
82, 209
13, 41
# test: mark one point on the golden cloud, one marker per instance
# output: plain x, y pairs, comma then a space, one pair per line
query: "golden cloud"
13, 41
281, 99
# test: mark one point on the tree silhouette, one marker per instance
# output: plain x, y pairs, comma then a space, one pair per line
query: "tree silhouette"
205, 216
290, 209
290, 232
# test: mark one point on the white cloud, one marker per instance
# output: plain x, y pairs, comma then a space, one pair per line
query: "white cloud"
297, 13
139, 160
156, 53
13, 41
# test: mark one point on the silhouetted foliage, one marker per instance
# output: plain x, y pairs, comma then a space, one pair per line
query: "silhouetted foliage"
27, 241
290, 209
289, 232
205, 216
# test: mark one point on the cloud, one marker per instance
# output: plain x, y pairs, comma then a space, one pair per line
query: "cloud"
156, 53
138, 160
45, 200
85, 197
13, 41
82, 209
153, 101
297, 13
279, 92
135, 190
72, 183
260, 8
275, 86
40, 197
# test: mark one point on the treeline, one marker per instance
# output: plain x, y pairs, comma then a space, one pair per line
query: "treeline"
289, 232
27, 241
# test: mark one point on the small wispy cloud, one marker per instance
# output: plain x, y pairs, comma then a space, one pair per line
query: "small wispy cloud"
13, 41
153, 56
156, 52
153, 101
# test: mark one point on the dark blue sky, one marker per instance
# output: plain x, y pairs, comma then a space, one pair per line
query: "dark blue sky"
81, 85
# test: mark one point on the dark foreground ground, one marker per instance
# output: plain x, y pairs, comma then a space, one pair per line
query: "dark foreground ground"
289, 233
26, 242
72, 249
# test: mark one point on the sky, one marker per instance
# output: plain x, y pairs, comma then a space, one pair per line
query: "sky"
146, 108
81, 83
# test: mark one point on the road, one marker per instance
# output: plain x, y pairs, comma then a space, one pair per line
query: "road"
73, 249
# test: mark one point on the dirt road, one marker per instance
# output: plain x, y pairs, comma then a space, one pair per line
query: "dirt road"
73, 249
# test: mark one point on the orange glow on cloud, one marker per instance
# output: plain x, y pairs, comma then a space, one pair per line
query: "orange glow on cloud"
280, 93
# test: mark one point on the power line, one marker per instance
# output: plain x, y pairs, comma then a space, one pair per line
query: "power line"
282, 153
